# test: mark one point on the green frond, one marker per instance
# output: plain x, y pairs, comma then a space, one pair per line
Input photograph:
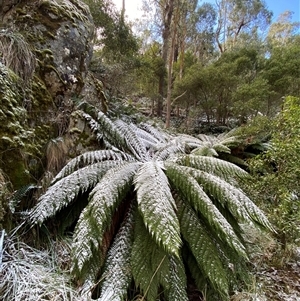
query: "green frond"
195, 195
97, 216
208, 292
117, 269
92, 157
241, 207
225, 170
222, 192
148, 262
233, 159
64, 191
133, 142
17, 196
177, 281
157, 206
203, 248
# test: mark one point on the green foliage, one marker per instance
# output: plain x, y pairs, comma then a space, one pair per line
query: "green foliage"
278, 172
149, 208
117, 38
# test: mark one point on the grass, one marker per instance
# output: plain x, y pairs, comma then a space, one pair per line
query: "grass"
30, 274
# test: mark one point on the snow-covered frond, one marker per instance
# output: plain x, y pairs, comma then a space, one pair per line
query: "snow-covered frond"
89, 158
225, 170
177, 280
149, 262
232, 197
64, 191
158, 134
190, 141
157, 206
144, 134
226, 194
213, 144
117, 270
94, 125
110, 131
196, 196
96, 217
206, 138
203, 248
221, 148
133, 142
165, 150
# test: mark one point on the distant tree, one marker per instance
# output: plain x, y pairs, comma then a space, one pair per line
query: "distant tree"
282, 72
113, 34
283, 30
239, 16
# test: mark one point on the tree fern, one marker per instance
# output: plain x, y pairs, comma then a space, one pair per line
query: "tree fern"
131, 227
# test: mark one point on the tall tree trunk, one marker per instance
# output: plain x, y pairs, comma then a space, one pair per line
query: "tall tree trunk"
166, 32
170, 65
170, 82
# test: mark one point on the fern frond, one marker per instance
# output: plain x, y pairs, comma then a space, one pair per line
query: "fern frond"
117, 270
96, 218
177, 280
190, 141
159, 135
242, 208
111, 132
233, 159
17, 196
163, 151
203, 249
133, 142
144, 135
215, 166
148, 262
196, 196
94, 126
221, 148
92, 157
157, 206
64, 191
205, 150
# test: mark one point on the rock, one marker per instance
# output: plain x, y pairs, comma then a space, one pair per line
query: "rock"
46, 49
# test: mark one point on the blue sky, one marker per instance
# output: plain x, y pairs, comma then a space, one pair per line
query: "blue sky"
279, 6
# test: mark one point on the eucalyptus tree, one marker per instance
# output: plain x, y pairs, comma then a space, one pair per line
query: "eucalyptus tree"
283, 31
239, 16
147, 213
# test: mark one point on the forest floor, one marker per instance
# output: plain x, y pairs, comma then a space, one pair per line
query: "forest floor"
276, 274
